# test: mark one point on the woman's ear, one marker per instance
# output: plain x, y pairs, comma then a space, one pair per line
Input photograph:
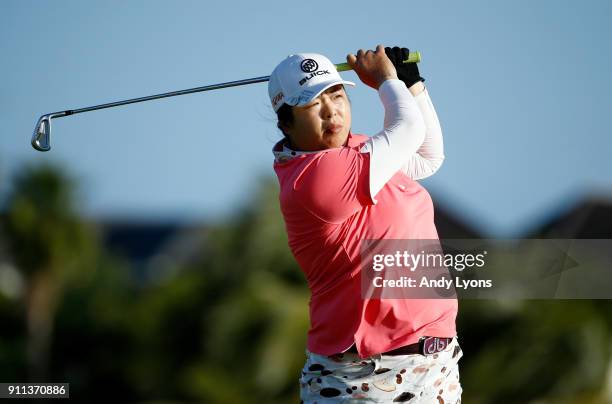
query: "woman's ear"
283, 128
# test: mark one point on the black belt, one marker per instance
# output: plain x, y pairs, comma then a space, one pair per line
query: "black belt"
425, 346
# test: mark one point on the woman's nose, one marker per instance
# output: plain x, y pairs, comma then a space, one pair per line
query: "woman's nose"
328, 108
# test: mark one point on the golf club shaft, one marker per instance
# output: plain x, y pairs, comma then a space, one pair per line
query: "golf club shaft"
40, 139
170, 94
414, 57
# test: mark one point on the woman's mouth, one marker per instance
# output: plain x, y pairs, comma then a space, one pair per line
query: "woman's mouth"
333, 129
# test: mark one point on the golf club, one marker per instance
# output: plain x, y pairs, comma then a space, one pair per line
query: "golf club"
42, 131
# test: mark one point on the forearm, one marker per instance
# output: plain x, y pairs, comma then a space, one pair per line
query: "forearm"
429, 157
402, 134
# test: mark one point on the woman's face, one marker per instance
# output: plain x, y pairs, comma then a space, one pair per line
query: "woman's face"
323, 123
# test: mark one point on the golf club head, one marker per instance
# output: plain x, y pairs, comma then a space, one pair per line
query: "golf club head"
42, 131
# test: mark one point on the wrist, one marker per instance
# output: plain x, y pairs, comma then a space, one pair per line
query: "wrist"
385, 78
417, 88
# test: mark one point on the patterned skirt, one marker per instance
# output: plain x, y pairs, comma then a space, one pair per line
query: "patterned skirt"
346, 378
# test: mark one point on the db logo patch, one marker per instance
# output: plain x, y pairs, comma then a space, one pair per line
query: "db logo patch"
309, 65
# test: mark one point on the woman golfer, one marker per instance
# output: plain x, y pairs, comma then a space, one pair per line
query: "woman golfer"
338, 188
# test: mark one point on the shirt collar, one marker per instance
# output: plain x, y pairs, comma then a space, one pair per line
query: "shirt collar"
282, 152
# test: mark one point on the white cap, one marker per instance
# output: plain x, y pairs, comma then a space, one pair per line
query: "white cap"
300, 78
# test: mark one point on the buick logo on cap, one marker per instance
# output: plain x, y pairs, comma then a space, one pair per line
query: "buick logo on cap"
309, 65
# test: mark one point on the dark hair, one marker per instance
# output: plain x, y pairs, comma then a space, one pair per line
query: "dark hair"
285, 117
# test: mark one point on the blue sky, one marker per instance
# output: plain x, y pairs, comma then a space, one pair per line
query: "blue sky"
522, 90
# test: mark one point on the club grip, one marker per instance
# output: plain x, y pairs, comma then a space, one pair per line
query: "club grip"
413, 57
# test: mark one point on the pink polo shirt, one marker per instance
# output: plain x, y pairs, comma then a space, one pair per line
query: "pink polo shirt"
327, 208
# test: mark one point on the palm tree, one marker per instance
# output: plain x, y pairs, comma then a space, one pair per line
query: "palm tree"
50, 246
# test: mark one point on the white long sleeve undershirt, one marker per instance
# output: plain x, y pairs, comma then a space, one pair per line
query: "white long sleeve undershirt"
411, 139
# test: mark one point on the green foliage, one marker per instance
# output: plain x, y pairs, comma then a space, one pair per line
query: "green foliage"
42, 229
555, 349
